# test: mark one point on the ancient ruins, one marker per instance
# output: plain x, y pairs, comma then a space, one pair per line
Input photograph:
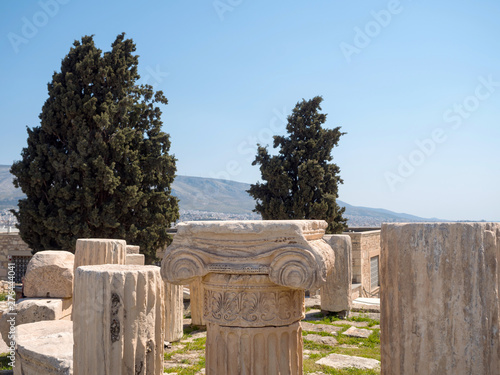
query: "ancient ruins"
102, 311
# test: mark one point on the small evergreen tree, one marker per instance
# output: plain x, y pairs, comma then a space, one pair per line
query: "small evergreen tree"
98, 164
300, 182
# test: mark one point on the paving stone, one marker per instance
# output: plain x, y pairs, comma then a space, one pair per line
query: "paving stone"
358, 332
318, 339
320, 328
371, 315
352, 324
340, 361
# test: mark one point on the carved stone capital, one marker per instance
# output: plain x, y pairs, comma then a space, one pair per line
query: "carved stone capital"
250, 301
291, 252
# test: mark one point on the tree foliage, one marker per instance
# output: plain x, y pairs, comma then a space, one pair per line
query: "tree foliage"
98, 165
301, 182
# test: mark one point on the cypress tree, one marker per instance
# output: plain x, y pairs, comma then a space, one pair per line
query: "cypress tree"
301, 182
98, 165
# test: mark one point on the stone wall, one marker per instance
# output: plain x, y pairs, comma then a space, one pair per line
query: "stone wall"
11, 245
365, 245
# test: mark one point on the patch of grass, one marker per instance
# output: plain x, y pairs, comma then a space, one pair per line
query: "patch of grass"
368, 348
3, 296
330, 318
191, 370
4, 362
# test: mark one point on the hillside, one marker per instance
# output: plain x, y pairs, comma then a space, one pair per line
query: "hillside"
208, 198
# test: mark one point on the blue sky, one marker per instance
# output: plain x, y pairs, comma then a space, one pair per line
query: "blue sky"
415, 84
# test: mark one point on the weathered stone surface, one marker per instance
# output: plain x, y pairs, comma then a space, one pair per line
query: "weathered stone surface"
320, 328
131, 249
44, 348
357, 332
253, 274
292, 252
196, 302
265, 350
118, 320
174, 308
340, 361
50, 274
439, 303
94, 251
137, 259
336, 292
318, 339
250, 301
31, 310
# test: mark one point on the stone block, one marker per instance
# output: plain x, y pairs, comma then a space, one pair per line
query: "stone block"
439, 299
341, 361
135, 259
118, 319
94, 251
336, 292
44, 348
174, 312
31, 310
50, 274
196, 302
131, 249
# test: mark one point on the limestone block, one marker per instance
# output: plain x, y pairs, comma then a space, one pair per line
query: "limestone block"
137, 259
50, 274
44, 348
266, 350
341, 361
94, 251
174, 309
196, 302
31, 310
131, 249
118, 320
439, 298
336, 292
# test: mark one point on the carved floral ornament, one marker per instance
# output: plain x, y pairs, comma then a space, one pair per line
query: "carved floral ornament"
291, 252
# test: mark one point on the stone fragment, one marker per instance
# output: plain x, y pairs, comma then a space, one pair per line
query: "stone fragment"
196, 302
357, 332
94, 251
440, 303
318, 339
137, 259
340, 361
44, 348
336, 292
31, 310
118, 320
50, 274
320, 328
131, 249
174, 308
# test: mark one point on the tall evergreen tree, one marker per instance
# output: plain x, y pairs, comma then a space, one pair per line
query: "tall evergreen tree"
301, 182
98, 165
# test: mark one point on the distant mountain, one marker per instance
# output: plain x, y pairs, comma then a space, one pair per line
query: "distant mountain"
208, 194
208, 198
9, 195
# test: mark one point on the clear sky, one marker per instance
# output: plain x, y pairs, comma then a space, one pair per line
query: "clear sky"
415, 84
